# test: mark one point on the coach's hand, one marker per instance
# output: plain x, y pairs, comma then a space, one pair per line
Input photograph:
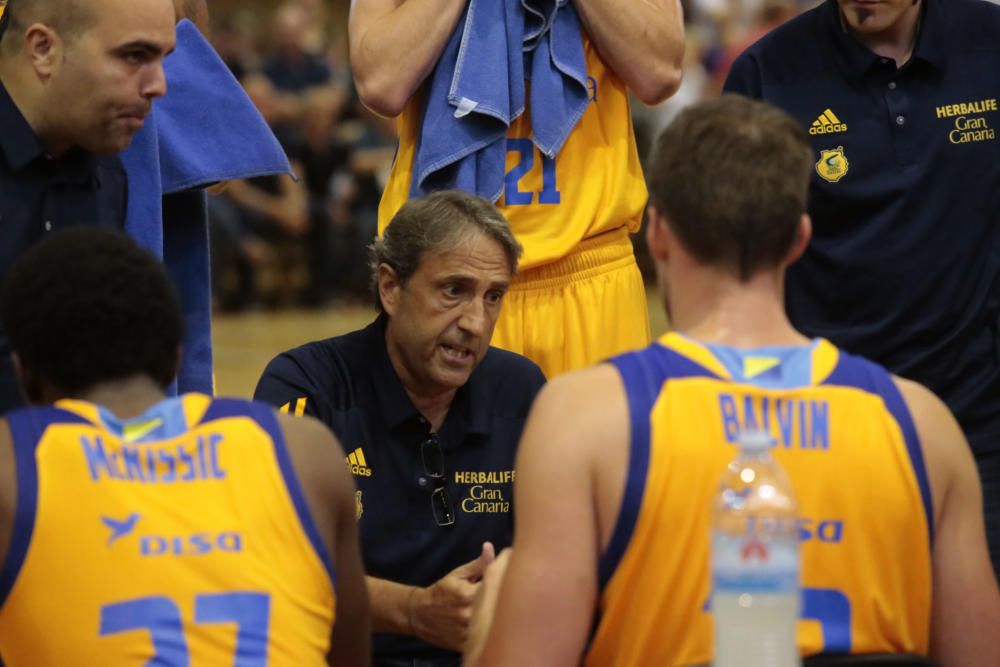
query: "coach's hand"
440, 613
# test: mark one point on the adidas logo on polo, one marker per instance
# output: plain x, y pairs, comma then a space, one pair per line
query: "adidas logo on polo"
357, 463
827, 123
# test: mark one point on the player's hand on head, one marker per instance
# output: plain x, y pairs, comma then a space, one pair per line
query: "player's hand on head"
440, 613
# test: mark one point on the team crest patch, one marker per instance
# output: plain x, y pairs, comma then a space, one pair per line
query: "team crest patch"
832, 165
358, 507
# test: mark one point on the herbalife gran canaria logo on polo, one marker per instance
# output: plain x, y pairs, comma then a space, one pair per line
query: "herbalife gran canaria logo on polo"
357, 463
488, 491
832, 165
827, 123
967, 127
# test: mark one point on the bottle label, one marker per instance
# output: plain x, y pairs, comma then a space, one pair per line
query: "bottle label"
746, 564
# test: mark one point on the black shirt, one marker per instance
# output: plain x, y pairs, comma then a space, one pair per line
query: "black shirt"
349, 383
38, 195
904, 266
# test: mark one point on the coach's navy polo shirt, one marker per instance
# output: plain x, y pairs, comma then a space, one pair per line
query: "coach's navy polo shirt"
38, 195
349, 383
904, 266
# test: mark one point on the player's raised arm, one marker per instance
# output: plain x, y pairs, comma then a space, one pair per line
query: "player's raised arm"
558, 527
642, 41
966, 603
395, 45
329, 491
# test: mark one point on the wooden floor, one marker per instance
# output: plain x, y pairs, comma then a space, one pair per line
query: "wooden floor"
245, 343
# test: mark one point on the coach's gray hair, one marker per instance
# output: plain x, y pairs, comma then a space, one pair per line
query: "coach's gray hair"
436, 224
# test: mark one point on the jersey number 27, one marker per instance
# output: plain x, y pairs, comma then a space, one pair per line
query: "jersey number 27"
161, 617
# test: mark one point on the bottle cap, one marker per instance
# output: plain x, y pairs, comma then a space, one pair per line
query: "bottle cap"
755, 442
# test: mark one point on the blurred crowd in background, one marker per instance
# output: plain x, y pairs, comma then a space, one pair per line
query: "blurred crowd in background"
281, 243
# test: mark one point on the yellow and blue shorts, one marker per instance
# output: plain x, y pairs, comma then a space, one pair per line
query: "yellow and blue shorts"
579, 310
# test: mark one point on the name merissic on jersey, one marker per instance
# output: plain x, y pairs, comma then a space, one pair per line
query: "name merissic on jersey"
186, 461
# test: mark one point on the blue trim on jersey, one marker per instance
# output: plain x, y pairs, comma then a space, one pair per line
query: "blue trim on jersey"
267, 419
169, 412
792, 364
852, 371
26, 429
643, 374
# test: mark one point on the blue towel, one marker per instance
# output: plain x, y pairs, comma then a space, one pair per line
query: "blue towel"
478, 89
203, 131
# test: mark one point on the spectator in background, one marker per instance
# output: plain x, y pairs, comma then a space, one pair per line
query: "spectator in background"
251, 218
337, 253
233, 41
315, 39
292, 67
297, 66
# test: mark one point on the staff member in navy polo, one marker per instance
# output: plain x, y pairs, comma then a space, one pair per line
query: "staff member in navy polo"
76, 82
901, 100
429, 415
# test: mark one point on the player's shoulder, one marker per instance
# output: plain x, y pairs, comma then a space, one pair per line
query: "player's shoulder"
927, 409
937, 429
591, 395
581, 414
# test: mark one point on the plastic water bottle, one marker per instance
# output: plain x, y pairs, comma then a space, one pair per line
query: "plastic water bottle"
755, 561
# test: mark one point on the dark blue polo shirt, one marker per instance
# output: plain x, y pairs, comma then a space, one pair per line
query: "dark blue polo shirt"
349, 383
38, 195
904, 266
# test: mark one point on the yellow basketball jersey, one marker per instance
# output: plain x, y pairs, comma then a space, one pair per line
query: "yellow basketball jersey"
179, 538
846, 439
594, 185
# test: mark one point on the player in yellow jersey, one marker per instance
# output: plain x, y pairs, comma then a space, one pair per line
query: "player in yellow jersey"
140, 530
578, 297
620, 464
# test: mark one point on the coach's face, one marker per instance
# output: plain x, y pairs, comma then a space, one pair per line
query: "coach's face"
441, 320
874, 17
101, 82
